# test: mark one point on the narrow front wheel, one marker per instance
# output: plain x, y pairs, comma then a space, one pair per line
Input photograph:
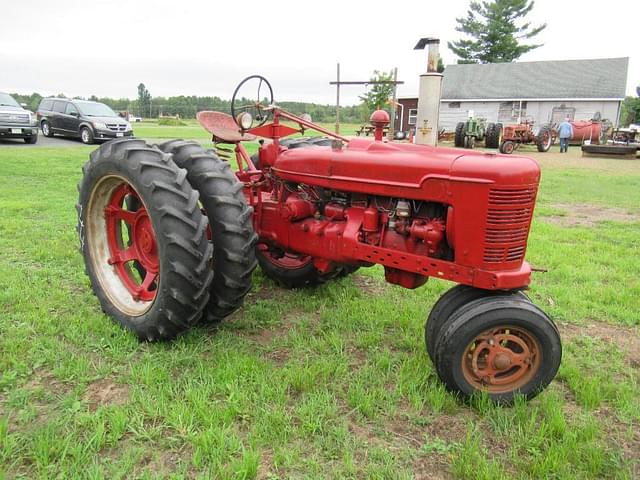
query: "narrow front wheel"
501, 346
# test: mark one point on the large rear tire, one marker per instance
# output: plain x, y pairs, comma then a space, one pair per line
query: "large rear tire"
494, 136
143, 239
230, 219
458, 139
488, 134
291, 270
544, 139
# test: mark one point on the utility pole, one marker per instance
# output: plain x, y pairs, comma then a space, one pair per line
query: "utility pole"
338, 100
339, 82
394, 101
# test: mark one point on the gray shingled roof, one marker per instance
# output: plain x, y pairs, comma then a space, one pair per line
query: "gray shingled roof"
600, 78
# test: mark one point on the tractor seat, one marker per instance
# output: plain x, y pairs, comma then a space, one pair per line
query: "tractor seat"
222, 127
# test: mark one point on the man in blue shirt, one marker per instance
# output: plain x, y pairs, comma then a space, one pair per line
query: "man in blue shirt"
565, 132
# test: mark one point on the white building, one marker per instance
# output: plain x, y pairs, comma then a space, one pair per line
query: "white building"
541, 91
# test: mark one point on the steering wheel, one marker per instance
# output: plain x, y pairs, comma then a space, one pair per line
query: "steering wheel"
255, 86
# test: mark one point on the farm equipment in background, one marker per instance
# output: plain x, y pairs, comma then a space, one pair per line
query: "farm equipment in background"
623, 143
513, 136
171, 235
592, 131
468, 133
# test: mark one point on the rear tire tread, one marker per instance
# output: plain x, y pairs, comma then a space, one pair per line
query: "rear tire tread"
230, 220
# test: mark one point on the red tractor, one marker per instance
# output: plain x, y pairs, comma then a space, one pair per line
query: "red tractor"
513, 136
171, 234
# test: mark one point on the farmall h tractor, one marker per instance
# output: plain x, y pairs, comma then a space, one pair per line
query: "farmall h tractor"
171, 234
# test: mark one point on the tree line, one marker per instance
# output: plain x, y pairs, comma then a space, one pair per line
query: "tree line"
186, 106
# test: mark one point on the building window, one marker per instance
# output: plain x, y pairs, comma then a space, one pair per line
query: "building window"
516, 112
509, 112
413, 116
454, 104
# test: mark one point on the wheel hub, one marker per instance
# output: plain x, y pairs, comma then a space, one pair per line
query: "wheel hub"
501, 359
132, 243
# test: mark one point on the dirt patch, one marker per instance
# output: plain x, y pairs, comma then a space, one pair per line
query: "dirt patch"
266, 463
626, 339
588, 215
265, 337
625, 437
161, 464
105, 392
45, 380
369, 285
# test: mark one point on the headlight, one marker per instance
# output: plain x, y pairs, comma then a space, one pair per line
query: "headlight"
128, 128
33, 119
245, 120
100, 126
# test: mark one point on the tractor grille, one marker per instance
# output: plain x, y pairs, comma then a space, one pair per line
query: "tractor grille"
508, 221
117, 127
15, 118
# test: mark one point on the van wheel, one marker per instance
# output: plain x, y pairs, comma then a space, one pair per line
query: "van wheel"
46, 129
86, 135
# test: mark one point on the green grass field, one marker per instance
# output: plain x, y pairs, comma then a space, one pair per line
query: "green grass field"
193, 130
332, 382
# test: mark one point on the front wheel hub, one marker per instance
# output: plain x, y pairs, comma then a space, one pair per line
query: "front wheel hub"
501, 359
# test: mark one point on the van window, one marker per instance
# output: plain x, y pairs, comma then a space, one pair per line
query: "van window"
71, 109
59, 107
46, 105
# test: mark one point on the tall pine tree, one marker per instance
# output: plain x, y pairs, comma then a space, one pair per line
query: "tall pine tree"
496, 29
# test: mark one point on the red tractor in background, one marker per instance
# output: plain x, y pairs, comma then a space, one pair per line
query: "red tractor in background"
171, 235
513, 136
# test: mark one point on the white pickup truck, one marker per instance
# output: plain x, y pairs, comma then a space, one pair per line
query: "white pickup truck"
15, 121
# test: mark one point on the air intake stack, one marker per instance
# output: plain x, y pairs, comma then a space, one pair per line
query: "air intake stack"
429, 95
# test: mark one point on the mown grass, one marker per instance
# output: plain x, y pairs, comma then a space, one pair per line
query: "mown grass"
330, 382
193, 130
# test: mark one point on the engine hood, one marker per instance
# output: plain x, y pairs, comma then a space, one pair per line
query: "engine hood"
402, 169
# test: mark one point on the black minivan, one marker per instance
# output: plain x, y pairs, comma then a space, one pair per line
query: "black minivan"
90, 121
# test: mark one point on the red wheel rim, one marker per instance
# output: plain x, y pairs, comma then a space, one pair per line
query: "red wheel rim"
286, 260
501, 359
132, 243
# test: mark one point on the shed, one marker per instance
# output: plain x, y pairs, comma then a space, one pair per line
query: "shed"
544, 92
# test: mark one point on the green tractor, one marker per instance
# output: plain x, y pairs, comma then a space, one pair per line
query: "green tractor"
472, 131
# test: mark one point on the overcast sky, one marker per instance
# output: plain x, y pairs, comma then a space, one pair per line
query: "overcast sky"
190, 47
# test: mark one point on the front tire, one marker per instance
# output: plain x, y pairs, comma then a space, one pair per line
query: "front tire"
507, 147
450, 302
143, 239
46, 129
86, 135
32, 140
502, 346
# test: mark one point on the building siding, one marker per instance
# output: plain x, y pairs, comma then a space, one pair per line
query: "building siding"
408, 104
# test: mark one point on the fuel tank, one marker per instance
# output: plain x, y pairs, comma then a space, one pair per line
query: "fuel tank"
402, 170
586, 130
